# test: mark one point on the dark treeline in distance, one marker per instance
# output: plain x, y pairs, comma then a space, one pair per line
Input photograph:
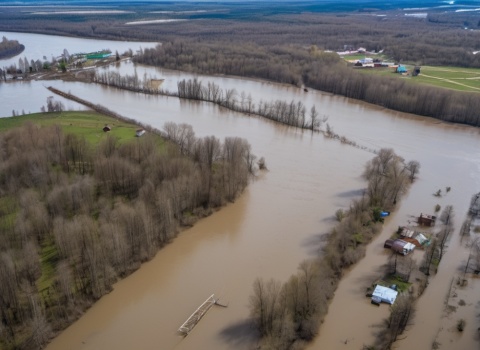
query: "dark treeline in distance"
10, 48
444, 37
75, 218
270, 43
315, 69
288, 315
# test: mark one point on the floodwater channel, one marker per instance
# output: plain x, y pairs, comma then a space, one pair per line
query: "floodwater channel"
278, 222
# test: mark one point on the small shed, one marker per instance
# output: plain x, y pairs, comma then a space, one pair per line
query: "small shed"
140, 132
426, 220
405, 232
107, 128
422, 239
401, 69
400, 246
384, 294
411, 236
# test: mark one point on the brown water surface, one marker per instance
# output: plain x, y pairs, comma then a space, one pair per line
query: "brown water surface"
278, 222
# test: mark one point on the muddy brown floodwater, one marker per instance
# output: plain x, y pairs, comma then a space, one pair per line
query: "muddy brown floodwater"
278, 222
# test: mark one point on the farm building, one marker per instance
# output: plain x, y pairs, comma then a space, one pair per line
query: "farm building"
98, 55
426, 220
106, 128
399, 246
140, 132
383, 294
411, 236
366, 60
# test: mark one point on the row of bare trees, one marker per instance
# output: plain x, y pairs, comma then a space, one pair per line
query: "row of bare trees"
290, 113
289, 315
322, 71
75, 218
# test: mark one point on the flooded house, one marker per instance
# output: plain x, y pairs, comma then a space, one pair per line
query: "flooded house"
417, 238
399, 246
426, 220
383, 294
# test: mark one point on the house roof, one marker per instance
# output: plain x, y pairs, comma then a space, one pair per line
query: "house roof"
387, 295
401, 246
406, 232
422, 239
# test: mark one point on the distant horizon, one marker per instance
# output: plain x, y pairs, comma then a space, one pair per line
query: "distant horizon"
286, 6
373, 2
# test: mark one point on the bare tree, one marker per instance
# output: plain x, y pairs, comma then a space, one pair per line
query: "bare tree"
430, 254
447, 215
181, 134
268, 307
314, 122
413, 167
400, 314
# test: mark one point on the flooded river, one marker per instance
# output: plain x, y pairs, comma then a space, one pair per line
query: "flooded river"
277, 222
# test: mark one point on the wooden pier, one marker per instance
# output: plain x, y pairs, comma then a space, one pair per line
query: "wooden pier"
192, 321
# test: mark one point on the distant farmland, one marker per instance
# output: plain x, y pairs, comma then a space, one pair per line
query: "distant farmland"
454, 78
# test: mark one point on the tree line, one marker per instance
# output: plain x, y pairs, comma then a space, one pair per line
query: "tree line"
75, 218
10, 48
288, 315
293, 113
443, 37
315, 69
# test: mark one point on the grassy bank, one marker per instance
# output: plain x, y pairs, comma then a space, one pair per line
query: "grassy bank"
87, 124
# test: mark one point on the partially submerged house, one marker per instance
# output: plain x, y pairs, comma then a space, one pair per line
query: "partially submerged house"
383, 294
411, 236
426, 220
399, 246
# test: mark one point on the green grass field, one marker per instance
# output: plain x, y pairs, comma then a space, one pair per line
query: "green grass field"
454, 78
463, 79
83, 123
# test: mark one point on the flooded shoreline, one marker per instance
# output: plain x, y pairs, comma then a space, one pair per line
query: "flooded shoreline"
278, 222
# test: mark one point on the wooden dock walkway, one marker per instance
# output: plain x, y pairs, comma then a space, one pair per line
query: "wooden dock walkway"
192, 321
